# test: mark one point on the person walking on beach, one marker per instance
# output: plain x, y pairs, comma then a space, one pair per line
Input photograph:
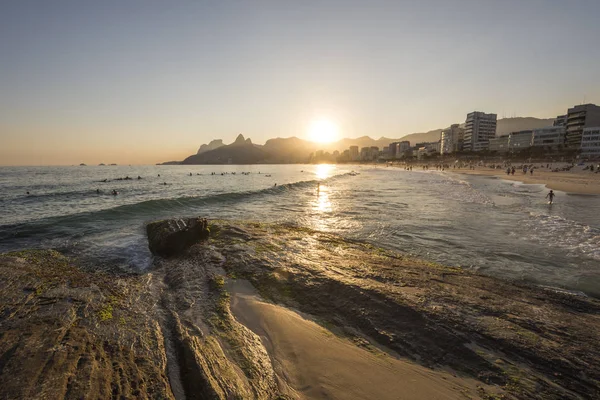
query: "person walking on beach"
550, 197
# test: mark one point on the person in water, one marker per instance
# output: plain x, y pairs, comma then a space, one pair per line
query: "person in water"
550, 197
114, 192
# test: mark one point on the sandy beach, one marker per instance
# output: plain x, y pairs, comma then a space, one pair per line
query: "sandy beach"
574, 181
321, 365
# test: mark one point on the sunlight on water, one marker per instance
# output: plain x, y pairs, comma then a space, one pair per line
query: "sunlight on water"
323, 204
324, 171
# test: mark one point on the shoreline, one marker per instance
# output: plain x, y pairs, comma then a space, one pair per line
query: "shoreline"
577, 182
260, 310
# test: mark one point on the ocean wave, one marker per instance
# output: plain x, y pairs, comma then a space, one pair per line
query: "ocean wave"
575, 237
96, 221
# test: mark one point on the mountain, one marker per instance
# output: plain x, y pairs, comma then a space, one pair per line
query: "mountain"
508, 125
296, 150
430, 136
241, 151
214, 144
289, 150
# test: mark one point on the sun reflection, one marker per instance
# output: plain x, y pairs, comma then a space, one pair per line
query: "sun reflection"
324, 171
323, 203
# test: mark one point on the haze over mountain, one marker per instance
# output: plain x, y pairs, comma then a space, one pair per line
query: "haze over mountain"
296, 150
241, 151
214, 144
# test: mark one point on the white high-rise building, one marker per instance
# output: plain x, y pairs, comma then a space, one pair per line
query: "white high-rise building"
479, 129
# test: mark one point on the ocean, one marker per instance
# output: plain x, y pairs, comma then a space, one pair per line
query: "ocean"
500, 228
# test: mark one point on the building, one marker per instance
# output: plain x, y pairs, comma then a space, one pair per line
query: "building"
374, 153
345, 155
451, 139
354, 156
560, 120
579, 118
513, 142
365, 153
520, 140
590, 143
421, 151
500, 144
393, 149
435, 147
479, 129
551, 136
403, 148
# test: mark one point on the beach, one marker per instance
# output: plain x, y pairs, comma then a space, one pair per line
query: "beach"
574, 181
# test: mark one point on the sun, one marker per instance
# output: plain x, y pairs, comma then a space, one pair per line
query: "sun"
323, 131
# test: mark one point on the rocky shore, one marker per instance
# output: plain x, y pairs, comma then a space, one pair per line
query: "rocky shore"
169, 333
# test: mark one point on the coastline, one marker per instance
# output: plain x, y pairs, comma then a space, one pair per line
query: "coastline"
185, 327
576, 182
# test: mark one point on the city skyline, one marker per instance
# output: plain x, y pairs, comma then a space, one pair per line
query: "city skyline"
145, 82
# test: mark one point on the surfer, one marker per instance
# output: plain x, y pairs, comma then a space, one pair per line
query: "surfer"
550, 197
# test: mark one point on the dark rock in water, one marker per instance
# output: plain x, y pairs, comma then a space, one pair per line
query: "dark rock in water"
170, 237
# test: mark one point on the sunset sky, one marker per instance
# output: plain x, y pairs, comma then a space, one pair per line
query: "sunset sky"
144, 81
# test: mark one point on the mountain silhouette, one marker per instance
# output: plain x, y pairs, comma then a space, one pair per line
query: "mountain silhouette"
241, 151
214, 144
296, 150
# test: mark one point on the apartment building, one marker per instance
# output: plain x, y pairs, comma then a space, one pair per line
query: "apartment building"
479, 129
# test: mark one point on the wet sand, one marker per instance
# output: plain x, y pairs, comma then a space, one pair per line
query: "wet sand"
580, 182
317, 364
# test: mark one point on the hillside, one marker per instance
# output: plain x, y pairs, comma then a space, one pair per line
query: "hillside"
508, 125
289, 150
296, 150
214, 144
242, 151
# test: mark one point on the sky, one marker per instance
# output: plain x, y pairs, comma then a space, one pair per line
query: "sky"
146, 81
